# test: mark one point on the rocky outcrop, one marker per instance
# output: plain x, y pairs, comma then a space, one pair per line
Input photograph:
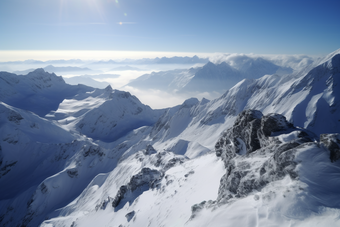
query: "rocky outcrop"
146, 177
256, 136
130, 215
332, 143
252, 131
242, 137
104, 204
4, 169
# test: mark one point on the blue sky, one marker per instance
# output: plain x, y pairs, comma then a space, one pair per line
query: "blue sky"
243, 26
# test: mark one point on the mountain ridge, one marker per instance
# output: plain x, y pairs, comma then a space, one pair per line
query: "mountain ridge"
211, 77
248, 157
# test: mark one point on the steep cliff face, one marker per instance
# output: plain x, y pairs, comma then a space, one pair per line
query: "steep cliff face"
254, 136
244, 159
308, 99
277, 167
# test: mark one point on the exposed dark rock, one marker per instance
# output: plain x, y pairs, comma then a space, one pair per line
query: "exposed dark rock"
305, 136
123, 94
92, 151
146, 177
6, 168
6, 215
138, 111
196, 208
104, 204
274, 123
27, 219
189, 173
14, 117
255, 135
11, 139
149, 150
332, 143
120, 195
43, 188
167, 160
72, 173
242, 138
130, 215
172, 162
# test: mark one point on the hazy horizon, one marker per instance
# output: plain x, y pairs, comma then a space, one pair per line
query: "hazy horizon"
283, 31
154, 97
45, 55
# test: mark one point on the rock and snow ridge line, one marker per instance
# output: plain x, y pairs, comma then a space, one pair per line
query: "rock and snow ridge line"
282, 155
211, 77
280, 170
79, 173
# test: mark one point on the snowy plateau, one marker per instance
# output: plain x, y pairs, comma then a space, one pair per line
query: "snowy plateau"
265, 153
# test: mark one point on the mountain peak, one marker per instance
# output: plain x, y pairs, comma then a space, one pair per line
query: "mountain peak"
108, 88
38, 71
190, 102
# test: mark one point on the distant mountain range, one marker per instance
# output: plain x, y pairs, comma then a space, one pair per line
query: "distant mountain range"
265, 153
31, 62
59, 69
211, 77
163, 60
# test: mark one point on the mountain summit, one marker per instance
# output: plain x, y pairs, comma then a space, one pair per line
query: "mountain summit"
212, 77
265, 153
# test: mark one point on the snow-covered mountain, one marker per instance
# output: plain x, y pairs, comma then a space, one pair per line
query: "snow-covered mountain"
31, 62
38, 91
164, 60
104, 114
59, 69
265, 153
217, 77
86, 80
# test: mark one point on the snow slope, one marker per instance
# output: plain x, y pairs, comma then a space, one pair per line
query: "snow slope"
38, 91
104, 114
103, 158
59, 69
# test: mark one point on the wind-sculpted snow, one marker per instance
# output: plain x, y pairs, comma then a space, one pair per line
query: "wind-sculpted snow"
253, 157
104, 114
273, 182
271, 176
142, 181
52, 166
332, 142
117, 116
38, 91
254, 133
308, 100
51, 173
